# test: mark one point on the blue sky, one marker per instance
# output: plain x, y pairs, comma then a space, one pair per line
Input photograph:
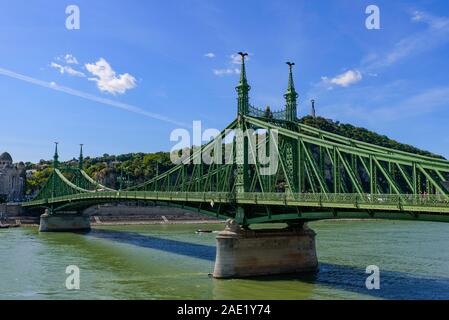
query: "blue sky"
136, 70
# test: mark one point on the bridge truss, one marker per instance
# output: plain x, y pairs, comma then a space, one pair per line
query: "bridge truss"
268, 167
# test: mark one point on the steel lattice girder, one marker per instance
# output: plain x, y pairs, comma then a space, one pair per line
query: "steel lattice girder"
300, 168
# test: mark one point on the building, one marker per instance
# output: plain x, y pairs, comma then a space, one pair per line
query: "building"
12, 179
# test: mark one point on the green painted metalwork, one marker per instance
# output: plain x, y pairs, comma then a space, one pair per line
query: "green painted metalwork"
243, 89
291, 96
319, 175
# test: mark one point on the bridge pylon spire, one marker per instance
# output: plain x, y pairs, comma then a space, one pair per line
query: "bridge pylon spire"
291, 95
56, 157
313, 111
243, 88
81, 158
242, 182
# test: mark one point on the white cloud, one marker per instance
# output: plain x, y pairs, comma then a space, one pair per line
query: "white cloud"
70, 59
345, 79
210, 55
90, 97
433, 21
417, 16
237, 59
231, 69
107, 79
435, 35
67, 59
67, 69
227, 71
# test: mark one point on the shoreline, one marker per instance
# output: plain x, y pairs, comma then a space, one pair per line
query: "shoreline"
97, 223
127, 223
132, 223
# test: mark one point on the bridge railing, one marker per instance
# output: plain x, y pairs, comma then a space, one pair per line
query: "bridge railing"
373, 199
274, 198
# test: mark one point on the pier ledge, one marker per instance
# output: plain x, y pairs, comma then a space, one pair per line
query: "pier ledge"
63, 222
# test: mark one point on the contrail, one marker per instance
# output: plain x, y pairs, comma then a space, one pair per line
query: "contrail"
91, 97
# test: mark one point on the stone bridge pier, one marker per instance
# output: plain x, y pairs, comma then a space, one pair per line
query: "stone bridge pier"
245, 253
64, 222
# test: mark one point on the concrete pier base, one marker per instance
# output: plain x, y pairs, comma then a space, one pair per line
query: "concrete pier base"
246, 253
64, 223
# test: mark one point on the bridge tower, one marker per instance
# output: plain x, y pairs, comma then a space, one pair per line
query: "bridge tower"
290, 146
243, 89
56, 157
81, 158
291, 96
242, 252
241, 141
55, 166
77, 171
71, 221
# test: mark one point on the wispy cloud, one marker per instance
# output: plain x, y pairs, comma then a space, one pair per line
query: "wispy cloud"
230, 69
70, 59
107, 80
422, 103
67, 59
433, 21
87, 96
236, 59
226, 72
210, 55
64, 65
67, 70
435, 35
380, 105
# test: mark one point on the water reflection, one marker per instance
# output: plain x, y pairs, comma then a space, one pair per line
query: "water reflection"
394, 285
193, 250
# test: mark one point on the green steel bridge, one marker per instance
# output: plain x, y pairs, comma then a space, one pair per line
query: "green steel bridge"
317, 175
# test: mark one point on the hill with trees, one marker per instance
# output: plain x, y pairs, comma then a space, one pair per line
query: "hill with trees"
362, 134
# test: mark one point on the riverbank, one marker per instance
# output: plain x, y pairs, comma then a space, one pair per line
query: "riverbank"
136, 221
97, 221
120, 214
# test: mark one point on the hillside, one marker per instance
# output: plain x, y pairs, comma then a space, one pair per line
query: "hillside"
362, 134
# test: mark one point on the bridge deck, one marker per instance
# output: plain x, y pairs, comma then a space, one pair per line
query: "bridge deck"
321, 204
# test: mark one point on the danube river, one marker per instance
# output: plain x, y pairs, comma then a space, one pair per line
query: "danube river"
174, 262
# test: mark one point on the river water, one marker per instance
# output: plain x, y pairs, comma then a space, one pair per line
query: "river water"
173, 262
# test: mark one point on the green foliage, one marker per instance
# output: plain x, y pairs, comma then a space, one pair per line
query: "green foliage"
132, 168
37, 179
362, 134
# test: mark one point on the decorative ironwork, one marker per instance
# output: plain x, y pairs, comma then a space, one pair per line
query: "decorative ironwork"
267, 114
